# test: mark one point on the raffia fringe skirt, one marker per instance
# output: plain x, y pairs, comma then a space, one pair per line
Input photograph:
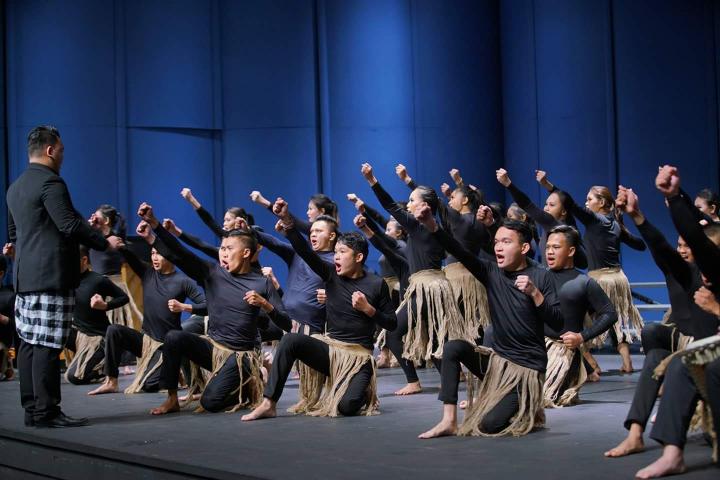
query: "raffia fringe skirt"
617, 287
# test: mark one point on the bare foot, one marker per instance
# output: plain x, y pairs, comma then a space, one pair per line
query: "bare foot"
410, 389
127, 370
442, 429
170, 405
594, 376
627, 447
670, 463
109, 386
627, 369
463, 405
383, 360
265, 410
184, 398
9, 374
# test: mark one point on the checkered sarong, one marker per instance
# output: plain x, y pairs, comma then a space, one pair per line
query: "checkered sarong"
44, 318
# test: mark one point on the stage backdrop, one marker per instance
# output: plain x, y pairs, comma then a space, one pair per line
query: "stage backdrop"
290, 97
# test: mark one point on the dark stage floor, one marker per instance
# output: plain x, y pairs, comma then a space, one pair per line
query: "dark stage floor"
384, 446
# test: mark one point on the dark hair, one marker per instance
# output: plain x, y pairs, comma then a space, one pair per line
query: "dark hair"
711, 198
325, 203
3, 263
248, 238
40, 137
572, 237
429, 196
329, 220
522, 229
712, 231
118, 226
356, 241
84, 251
403, 232
475, 197
242, 213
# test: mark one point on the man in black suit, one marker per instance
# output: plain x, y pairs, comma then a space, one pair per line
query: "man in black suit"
45, 230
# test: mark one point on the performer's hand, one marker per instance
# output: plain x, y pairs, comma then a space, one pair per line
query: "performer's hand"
424, 215
360, 221
268, 272
705, 299
502, 177
455, 175
169, 225
177, 307
240, 224
145, 211
4, 320
9, 250
526, 286
145, 232
355, 200
360, 303
94, 221
446, 190
115, 243
257, 300
668, 181
321, 296
280, 208
367, 172
281, 227
542, 178
571, 339
98, 303
258, 198
484, 215
402, 173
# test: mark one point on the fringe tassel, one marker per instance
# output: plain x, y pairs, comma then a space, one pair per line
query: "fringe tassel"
142, 373
503, 377
128, 313
560, 360
433, 295
617, 287
321, 395
472, 293
85, 347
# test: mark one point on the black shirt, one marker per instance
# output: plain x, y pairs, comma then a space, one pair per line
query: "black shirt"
7, 308
87, 319
232, 321
393, 254
344, 323
158, 290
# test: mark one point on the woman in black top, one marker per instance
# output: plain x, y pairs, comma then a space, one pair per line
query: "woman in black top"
319, 204
604, 231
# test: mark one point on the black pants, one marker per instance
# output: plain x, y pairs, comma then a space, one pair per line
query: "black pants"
315, 354
88, 375
221, 390
394, 341
119, 339
658, 343
39, 381
458, 352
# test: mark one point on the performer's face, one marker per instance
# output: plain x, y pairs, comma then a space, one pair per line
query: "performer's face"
415, 202
393, 229
233, 254
457, 200
554, 207
321, 236
705, 207
509, 249
159, 262
229, 221
594, 202
313, 211
558, 252
684, 250
347, 261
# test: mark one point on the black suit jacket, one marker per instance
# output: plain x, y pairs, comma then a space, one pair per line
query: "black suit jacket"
46, 230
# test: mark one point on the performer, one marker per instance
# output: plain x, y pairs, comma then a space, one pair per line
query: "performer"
603, 233
683, 280
429, 304
164, 290
522, 298
458, 218
90, 322
8, 336
708, 202
319, 204
579, 296
45, 229
230, 351
341, 378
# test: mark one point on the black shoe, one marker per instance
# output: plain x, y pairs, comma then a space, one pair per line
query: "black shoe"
29, 421
61, 421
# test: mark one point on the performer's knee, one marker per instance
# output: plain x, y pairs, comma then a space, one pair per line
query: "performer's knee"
654, 357
452, 350
493, 423
350, 406
211, 403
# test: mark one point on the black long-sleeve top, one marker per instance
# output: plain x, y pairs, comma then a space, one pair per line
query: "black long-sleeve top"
603, 235
547, 222
7, 308
300, 296
706, 253
233, 322
87, 319
344, 323
578, 295
682, 279
107, 262
423, 251
377, 222
393, 254
518, 325
210, 250
158, 290
208, 220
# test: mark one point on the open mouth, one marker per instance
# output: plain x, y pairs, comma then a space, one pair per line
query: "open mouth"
224, 264
500, 258
338, 267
